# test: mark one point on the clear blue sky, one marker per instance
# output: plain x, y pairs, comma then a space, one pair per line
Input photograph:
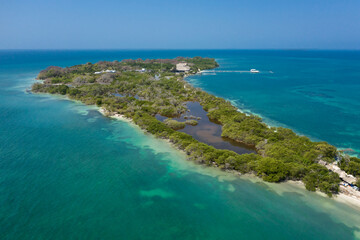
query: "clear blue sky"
181, 24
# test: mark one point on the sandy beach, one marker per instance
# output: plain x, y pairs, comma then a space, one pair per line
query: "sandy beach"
346, 195
114, 115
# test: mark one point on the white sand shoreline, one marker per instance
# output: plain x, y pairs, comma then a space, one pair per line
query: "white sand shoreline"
117, 116
344, 196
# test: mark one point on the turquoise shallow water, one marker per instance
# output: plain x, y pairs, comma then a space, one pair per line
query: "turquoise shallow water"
67, 172
316, 93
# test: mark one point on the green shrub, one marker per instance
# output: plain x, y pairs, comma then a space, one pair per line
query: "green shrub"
176, 125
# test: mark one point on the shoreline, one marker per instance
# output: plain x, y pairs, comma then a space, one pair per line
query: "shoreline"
114, 115
343, 196
348, 200
180, 143
273, 123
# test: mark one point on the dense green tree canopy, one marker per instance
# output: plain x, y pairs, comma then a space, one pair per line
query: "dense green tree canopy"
140, 89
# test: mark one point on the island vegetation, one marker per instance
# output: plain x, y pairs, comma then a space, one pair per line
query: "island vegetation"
174, 124
191, 122
140, 89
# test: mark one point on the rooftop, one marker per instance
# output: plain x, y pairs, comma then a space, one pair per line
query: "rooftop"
182, 67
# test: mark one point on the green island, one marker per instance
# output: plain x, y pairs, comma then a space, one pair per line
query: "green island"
142, 90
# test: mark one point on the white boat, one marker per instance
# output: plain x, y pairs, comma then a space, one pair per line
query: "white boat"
254, 70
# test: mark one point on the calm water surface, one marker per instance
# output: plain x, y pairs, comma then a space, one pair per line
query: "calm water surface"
67, 172
208, 131
316, 93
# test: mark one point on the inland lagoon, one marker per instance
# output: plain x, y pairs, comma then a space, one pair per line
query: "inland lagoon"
207, 131
69, 172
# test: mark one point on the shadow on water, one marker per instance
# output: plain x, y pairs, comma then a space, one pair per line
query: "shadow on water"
208, 131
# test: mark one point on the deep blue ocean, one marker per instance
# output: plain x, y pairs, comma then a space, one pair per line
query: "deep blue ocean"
67, 172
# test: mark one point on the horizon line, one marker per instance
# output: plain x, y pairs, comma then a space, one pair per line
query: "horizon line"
178, 49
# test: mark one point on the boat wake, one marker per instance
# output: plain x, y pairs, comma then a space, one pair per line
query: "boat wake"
234, 71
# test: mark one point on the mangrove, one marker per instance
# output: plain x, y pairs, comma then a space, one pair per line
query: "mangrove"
141, 89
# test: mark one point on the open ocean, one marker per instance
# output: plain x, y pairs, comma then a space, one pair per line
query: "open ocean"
67, 172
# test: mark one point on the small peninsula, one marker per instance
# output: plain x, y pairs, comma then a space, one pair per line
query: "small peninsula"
155, 96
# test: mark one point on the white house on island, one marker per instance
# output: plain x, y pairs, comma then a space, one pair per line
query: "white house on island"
141, 70
105, 71
182, 67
